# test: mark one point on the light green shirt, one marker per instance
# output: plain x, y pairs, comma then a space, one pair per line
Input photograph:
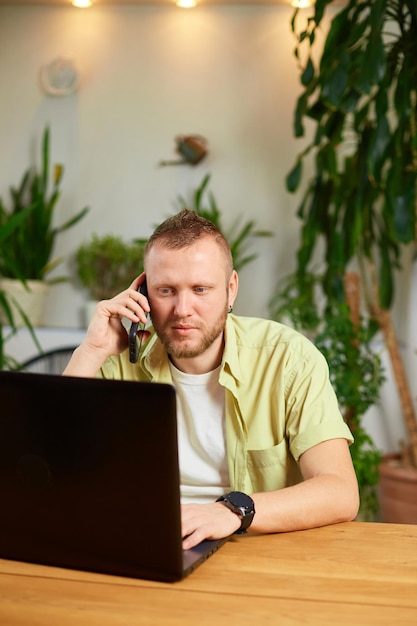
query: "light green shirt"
279, 400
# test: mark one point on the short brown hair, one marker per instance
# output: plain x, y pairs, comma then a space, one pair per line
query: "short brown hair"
184, 229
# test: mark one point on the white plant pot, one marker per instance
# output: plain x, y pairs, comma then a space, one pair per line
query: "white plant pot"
31, 300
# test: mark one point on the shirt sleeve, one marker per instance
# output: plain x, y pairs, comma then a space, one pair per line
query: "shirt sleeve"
313, 413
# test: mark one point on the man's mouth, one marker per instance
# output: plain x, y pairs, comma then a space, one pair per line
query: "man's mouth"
183, 330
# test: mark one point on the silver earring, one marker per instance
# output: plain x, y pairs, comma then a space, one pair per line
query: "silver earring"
230, 309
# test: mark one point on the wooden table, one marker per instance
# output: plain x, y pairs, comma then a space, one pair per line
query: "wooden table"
348, 574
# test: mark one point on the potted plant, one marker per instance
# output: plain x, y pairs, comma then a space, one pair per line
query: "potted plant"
105, 265
237, 234
359, 209
6, 309
26, 254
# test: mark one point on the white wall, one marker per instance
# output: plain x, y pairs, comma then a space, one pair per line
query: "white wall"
147, 75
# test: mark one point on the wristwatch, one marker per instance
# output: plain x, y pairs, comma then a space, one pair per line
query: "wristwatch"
242, 505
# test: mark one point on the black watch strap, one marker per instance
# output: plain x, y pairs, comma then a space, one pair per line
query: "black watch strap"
241, 504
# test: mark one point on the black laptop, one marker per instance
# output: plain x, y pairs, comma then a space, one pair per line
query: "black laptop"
89, 476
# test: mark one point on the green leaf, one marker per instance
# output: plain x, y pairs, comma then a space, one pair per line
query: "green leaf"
378, 142
308, 74
45, 163
350, 100
320, 7
200, 191
300, 111
333, 128
400, 200
404, 219
386, 283
326, 159
317, 110
14, 222
336, 34
74, 220
373, 68
334, 87
294, 177
403, 89
6, 311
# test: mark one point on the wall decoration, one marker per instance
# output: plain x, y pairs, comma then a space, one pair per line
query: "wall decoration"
60, 77
192, 148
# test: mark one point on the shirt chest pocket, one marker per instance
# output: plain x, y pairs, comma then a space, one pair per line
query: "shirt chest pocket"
272, 468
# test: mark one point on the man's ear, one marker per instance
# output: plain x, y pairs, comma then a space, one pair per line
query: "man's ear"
233, 287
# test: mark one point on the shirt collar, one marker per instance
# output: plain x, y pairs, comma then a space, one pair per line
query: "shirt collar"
154, 358
231, 363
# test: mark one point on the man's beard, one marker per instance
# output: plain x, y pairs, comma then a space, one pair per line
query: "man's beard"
179, 349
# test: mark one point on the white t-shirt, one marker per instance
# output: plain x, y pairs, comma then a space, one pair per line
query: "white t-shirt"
204, 474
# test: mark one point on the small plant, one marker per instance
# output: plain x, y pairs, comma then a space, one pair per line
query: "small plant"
26, 253
238, 235
106, 265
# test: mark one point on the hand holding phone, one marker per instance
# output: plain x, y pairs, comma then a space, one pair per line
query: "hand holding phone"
135, 342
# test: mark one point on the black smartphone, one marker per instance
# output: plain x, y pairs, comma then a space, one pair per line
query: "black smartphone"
135, 342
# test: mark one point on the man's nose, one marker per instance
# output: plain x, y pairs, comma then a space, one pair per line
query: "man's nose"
182, 305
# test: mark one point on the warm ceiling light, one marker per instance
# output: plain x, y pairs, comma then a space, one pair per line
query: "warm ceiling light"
82, 4
301, 4
186, 4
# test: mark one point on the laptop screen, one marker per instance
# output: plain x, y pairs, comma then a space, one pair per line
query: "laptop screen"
89, 475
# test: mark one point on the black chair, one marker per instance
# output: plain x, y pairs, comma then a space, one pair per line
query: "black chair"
51, 362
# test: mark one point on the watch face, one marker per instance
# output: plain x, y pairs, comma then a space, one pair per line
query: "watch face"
240, 500
242, 505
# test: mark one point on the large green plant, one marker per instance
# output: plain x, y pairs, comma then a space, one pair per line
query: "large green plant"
239, 235
359, 208
27, 252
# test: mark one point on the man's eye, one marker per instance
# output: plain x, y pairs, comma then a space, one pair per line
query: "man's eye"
200, 289
165, 291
